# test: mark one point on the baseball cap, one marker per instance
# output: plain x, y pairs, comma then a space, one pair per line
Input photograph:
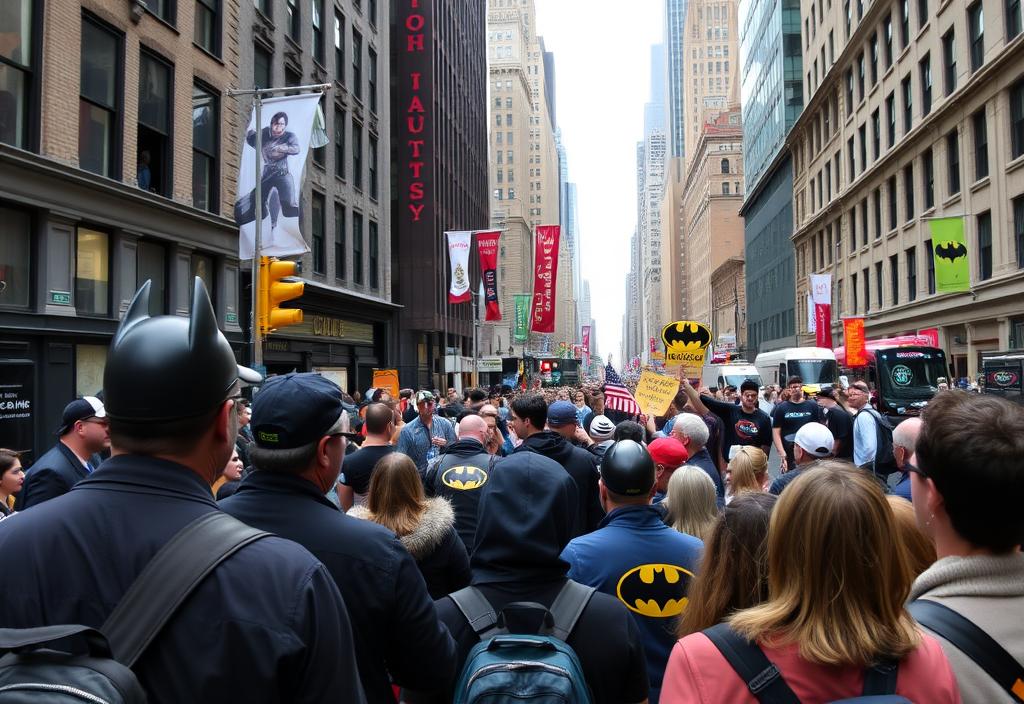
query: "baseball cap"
296, 409
562, 413
627, 469
815, 438
601, 428
80, 409
424, 396
668, 452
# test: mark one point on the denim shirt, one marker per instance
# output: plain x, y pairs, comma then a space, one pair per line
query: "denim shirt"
414, 440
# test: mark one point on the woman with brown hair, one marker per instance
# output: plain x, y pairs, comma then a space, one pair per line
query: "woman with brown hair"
733, 572
12, 478
425, 526
920, 550
747, 471
835, 607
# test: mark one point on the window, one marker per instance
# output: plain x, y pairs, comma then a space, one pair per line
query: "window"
371, 11
357, 64
373, 255
874, 59
908, 191
164, 9
887, 24
852, 159
1012, 11
878, 284
876, 135
926, 84
317, 12
99, 124
908, 105
853, 292
862, 133
1018, 229
864, 222
894, 278
319, 253
15, 253
852, 220
890, 112
339, 242
1017, 119
949, 61
849, 19
339, 47
860, 77
339, 143
16, 71
904, 23
849, 92
911, 258
205, 148
357, 155
206, 32
294, 20
922, 13
985, 246
154, 129
264, 7
928, 165
893, 217
980, 144
725, 166
320, 153
201, 265
725, 188
866, 275
976, 32
371, 82
357, 248
260, 67
151, 264
92, 272
878, 213
929, 255
953, 162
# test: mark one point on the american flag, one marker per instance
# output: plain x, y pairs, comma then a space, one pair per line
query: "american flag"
616, 395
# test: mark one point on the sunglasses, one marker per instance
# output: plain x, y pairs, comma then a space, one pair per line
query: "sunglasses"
916, 470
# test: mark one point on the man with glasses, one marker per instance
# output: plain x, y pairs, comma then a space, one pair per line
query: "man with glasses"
904, 447
83, 433
865, 430
426, 435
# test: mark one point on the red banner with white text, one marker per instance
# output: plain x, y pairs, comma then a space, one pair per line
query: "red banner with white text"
821, 295
487, 246
853, 339
545, 272
586, 348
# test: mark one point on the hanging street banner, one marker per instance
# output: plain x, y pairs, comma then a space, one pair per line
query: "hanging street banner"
545, 268
586, 348
821, 296
853, 339
487, 247
811, 323
522, 330
686, 346
287, 124
459, 243
949, 248
654, 392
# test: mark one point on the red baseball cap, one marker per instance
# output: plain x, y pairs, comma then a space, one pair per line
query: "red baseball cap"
668, 452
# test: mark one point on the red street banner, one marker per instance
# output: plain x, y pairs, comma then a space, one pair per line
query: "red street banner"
821, 295
586, 347
545, 271
932, 334
853, 336
487, 246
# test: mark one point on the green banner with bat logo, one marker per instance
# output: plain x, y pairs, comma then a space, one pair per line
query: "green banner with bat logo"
949, 248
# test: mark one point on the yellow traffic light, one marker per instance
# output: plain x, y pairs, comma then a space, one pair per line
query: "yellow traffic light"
273, 292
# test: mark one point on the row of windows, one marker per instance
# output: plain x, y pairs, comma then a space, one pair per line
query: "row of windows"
358, 276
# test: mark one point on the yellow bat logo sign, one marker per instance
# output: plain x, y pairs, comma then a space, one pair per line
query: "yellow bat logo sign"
464, 478
655, 590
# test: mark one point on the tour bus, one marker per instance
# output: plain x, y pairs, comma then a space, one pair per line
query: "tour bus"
1004, 374
815, 365
903, 371
720, 375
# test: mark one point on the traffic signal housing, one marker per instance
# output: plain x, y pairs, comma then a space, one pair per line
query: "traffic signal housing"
273, 291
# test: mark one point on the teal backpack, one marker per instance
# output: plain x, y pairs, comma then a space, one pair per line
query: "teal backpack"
523, 668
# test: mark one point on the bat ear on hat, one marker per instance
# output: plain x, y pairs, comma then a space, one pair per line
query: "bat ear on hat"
202, 328
138, 310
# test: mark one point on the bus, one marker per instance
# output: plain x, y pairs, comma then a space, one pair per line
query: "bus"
904, 371
1004, 374
815, 365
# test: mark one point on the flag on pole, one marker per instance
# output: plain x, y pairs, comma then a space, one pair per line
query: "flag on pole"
487, 248
616, 395
821, 297
521, 333
545, 264
458, 253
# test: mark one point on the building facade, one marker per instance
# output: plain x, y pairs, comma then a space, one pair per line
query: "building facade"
729, 307
918, 114
105, 86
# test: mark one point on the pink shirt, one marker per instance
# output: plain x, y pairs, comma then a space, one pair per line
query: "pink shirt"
698, 672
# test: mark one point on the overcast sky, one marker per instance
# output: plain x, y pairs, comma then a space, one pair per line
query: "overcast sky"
602, 78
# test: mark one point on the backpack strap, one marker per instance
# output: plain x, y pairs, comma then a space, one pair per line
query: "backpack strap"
880, 678
973, 642
169, 578
567, 608
748, 660
477, 611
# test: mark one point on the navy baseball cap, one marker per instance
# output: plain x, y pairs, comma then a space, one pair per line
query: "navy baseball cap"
562, 413
295, 409
80, 409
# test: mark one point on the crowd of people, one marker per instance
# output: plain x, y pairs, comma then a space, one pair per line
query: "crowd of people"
413, 537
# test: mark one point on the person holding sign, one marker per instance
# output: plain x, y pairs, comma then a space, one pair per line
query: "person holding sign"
745, 424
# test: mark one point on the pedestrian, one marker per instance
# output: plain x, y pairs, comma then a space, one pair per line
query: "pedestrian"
230, 476
865, 425
423, 438
597, 408
12, 478
968, 487
692, 508
812, 442
733, 571
82, 434
600, 434
743, 424
582, 408
747, 472
354, 479
635, 557
669, 455
919, 548
904, 447
170, 387
839, 422
791, 415
425, 526
693, 433
835, 607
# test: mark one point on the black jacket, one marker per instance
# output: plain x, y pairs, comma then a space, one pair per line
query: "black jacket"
394, 623
461, 487
581, 466
51, 475
268, 625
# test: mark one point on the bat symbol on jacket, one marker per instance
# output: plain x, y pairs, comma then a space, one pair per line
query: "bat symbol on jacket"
464, 478
655, 590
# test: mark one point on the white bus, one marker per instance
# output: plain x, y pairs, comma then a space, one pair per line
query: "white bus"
815, 365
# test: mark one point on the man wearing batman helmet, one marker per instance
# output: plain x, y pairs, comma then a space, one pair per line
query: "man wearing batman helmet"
635, 557
268, 624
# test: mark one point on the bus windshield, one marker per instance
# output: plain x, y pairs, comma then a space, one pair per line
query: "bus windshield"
814, 371
910, 373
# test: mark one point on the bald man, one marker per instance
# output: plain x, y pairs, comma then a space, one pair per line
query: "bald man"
904, 448
461, 472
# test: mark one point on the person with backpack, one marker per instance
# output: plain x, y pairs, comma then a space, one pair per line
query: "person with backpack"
525, 522
872, 434
834, 626
968, 489
633, 545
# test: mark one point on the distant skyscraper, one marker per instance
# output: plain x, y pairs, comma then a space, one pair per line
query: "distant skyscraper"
675, 33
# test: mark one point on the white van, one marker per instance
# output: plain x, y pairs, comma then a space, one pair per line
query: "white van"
815, 365
729, 374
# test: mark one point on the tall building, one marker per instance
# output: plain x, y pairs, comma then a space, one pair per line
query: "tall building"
633, 343
772, 98
729, 307
675, 63
439, 148
118, 154
348, 328
673, 265
917, 113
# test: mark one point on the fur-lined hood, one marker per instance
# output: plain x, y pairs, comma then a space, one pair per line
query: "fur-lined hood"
435, 524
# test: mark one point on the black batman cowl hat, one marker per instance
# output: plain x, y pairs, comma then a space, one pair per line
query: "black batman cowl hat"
168, 367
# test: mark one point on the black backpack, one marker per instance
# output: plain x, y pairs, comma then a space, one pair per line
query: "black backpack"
31, 672
767, 684
884, 463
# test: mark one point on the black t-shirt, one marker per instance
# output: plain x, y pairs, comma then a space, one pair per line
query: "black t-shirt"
840, 423
358, 466
789, 417
739, 427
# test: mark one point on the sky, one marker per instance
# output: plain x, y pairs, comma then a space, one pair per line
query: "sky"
602, 81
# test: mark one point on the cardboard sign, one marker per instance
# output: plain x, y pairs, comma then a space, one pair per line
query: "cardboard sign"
686, 345
654, 393
386, 379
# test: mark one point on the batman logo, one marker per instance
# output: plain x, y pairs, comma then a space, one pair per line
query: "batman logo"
686, 334
464, 478
951, 251
655, 590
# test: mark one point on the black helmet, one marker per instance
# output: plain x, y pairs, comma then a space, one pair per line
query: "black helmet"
167, 367
627, 469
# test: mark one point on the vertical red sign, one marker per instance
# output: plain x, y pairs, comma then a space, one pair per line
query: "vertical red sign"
545, 272
487, 246
415, 97
853, 339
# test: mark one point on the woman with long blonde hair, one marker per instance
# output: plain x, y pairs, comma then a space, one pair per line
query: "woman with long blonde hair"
747, 471
691, 500
836, 591
426, 527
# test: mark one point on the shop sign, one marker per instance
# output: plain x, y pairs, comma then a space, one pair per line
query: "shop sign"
60, 298
488, 364
231, 318
329, 328
17, 401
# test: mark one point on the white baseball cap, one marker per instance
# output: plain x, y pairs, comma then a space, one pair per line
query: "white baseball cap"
815, 439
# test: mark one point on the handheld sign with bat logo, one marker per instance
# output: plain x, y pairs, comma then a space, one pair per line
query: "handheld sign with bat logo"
686, 346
